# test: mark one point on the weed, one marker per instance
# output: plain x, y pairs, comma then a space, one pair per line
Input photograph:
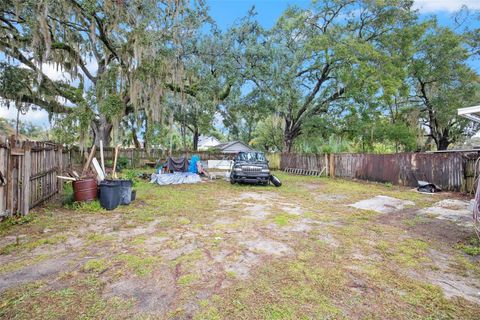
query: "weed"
33, 244
187, 279
99, 237
408, 252
412, 222
283, 219
17, 265
86, 207
8, 223
471, 247
95, 265
142, 266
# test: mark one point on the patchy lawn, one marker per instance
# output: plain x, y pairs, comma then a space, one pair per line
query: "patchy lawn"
310, 249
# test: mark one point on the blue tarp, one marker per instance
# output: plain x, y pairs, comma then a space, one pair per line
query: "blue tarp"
175, 178
193, 164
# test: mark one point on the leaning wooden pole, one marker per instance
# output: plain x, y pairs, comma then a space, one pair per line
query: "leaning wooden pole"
114, 174
102, 161
89, 160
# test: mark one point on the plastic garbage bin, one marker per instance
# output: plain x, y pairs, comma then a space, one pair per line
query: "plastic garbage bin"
125, 191
110, 194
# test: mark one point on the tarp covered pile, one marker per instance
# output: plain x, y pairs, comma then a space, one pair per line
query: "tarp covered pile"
183, 172
175, 178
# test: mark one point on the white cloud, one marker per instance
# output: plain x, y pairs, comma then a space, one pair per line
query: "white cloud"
55, 72
445, 5
38, 117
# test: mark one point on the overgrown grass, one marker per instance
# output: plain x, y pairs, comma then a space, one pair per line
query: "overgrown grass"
365, 272
30, 245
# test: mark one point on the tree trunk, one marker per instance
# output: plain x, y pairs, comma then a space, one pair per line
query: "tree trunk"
101, 131
291, 132
195, 139
443, 143
135, 139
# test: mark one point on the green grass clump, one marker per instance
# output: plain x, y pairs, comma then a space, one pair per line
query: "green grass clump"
408, 252
187, 279
17, 265
95, 265
142, 266
10, 222
283, 219
98, 237
33, 244
471, 247
86, 207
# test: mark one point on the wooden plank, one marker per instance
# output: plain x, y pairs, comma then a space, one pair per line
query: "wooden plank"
27, 167
17, 152
3, 167
89, 160
100, 173
331, 168
9, 187
59, 166
102, 158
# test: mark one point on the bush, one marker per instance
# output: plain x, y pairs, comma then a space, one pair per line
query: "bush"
122, 163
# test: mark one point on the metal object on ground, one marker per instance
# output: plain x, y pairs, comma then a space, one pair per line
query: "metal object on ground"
85, 190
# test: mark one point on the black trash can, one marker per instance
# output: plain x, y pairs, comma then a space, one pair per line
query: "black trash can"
125, 191
110, 194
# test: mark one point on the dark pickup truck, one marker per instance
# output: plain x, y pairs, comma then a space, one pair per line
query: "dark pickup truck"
251, 167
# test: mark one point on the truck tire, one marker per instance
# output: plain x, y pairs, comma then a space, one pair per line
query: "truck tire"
276, 182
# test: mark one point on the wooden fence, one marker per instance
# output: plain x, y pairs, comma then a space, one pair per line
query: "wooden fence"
29, 174
453, 171
28, 170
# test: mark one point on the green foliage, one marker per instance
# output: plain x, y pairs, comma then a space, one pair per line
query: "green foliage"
444, 82
112, 106
131, 175
122, 162
95, 265
471, 247
268, 135
311, 83
142, 266
86, 206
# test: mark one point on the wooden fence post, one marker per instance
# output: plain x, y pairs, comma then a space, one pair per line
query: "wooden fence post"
60, 168
10, 192
331, 164
327, 169
27, 169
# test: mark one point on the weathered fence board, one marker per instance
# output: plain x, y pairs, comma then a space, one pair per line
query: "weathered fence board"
453, 171
306, 162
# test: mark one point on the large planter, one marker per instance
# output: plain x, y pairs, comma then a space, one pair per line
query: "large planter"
110, 194
85, 190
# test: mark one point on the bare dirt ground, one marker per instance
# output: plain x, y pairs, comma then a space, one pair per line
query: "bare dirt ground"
314, 248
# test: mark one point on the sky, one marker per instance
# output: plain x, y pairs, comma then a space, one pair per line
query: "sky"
226, 12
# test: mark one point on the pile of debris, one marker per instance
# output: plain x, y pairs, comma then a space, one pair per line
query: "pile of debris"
90, 185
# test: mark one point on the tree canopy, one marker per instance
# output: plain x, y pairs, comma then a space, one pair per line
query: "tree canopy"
348, 75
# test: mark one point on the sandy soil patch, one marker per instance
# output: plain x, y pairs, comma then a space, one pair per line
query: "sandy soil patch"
382, 204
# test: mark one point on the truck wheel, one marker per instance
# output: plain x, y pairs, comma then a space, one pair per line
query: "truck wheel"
276, 182
232, 181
